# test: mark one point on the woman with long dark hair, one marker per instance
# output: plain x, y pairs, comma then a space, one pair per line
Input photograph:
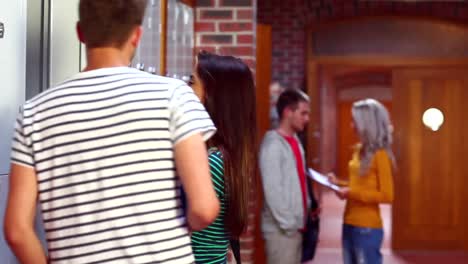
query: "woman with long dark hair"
226, 87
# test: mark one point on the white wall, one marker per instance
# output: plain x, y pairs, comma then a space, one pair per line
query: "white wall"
12, 83
64, 43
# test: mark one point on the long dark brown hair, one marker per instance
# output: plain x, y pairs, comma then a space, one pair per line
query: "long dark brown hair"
230, 100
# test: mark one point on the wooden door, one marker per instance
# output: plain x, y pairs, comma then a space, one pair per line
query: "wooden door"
263, 80
428, 212
346, 137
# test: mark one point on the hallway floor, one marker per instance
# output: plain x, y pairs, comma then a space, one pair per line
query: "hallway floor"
329, 248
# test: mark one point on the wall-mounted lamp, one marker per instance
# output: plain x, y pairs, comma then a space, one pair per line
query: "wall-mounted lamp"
433, 118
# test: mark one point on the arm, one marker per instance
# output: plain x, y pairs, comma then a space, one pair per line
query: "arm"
19, 216
342, 183
190, 125
317, 195
192, 166
274, 194
333, 179
384, 193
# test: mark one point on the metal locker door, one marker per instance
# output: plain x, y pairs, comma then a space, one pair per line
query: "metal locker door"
65, 56
12, 77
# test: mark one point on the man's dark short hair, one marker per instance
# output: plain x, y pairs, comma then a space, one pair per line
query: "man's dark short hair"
108, 23
290, 99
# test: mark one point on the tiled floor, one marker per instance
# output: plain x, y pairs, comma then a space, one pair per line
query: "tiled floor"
329, 248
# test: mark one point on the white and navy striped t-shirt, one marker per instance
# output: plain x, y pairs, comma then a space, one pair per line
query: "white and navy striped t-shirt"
102, 144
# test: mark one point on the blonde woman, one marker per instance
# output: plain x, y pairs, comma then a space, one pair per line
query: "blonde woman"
370, 183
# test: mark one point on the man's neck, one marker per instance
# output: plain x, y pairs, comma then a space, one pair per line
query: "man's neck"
285, 129
98, 58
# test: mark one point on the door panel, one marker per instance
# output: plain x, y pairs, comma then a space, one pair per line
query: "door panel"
427, 212
12, 75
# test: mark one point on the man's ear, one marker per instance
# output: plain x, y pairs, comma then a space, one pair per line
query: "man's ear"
136, 36
79, 32
287, 111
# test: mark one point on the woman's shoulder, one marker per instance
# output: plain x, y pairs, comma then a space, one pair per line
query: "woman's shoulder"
356, 148
381, 154
215, 152
215, 157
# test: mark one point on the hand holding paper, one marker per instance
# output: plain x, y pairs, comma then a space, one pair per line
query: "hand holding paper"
322, 179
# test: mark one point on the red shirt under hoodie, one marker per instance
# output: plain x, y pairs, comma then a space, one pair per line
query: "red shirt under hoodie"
300, 171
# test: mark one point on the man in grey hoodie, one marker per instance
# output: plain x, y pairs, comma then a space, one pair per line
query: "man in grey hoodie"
282, 166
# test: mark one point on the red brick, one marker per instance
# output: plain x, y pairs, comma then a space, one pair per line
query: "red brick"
253, 207
248, 232
443, 10
205, 27
206, 48
236, 51
344, 11
245, 14
235, 27
363, 8
236, 3
250, 63
244, 39
247, 256
205, 3
314, 4
216, 39
216, 14
409, 9
249, 244
463, 13
380, 8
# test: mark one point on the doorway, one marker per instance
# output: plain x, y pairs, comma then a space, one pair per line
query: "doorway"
332, 61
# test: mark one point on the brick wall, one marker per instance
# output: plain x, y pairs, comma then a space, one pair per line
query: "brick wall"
290, 17
228, 27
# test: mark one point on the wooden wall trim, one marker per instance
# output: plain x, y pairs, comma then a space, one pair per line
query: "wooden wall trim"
331, 23
313, 90
313, 129
263, 81
163, 44
387, 61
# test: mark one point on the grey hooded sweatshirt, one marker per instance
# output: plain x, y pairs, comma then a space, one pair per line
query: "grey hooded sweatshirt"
282, 208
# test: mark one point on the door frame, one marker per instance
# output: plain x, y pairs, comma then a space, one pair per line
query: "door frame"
317, 86
315, 65
263, 74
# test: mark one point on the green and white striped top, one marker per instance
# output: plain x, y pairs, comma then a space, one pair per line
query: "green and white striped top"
210, 245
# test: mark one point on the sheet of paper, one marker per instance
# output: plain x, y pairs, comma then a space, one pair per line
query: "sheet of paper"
322, 179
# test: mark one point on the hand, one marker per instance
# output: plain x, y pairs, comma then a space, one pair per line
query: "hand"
332, 178
343, 193
315, 213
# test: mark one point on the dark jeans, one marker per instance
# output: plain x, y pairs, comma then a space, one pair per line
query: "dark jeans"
361, 245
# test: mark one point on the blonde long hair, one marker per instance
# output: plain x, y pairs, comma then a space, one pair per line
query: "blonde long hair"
374, 128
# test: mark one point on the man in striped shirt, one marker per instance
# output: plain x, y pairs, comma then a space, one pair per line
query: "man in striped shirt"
100, 152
